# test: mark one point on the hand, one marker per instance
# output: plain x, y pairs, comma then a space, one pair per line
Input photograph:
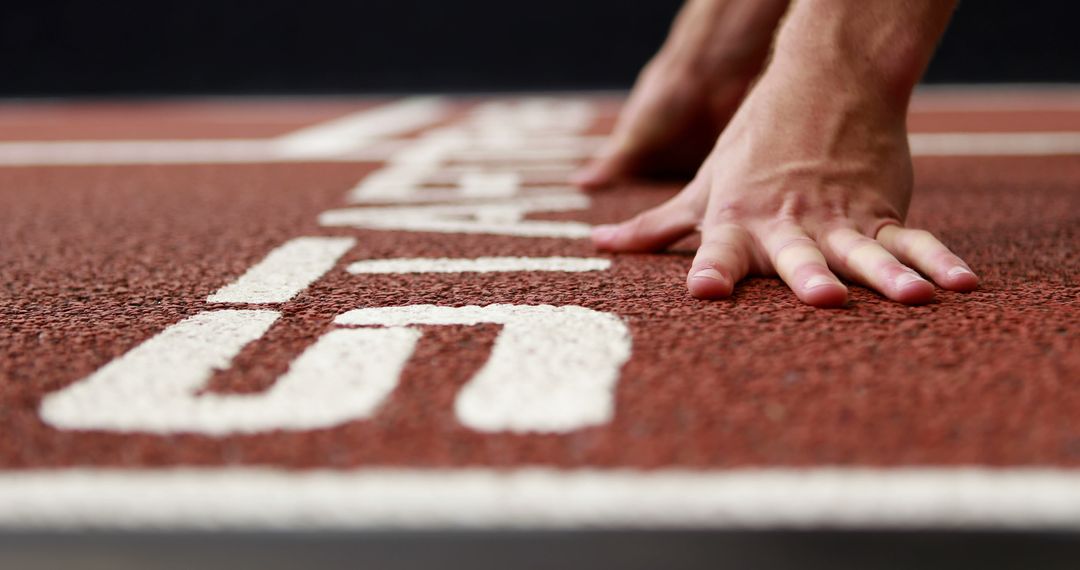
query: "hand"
669, 124
685, 96
807, 184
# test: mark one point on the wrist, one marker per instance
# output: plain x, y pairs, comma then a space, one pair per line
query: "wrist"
880, 49
722, 39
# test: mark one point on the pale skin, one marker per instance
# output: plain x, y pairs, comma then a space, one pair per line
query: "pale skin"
809, 176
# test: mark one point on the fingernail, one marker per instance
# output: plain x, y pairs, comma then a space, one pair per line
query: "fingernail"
958, 270
818, 281
605, 232
709, 273
908, 278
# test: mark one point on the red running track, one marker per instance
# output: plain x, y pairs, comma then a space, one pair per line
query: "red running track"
98, 258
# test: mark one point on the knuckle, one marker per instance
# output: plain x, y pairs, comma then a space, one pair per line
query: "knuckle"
794, 242
727, 231
639, 223
920, 237
860, 243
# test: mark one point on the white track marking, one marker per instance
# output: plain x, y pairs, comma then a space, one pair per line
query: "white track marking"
234, 151
538, 498
994, 144
536, 174
552, 369
355, 137
448, 194
286, 271
534, 115
334, 381
46, 153
352, 131
506, 217
490, 184
479, 265
407, 183
388, 183
496, 156
155, 387
128, 393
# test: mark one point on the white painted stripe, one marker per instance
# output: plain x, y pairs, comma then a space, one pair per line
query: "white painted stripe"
465, 138
135, 392
352, 131
479, 265
552, 369
213, 151
506, 217
549, 164
389, 183
534, 115
336, 380
530, 173
276, 499
442, 194
526, 154
286, 271
45, 153
994, 144
489, 184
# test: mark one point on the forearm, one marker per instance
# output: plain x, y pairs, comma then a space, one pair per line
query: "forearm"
723, 37
882, 47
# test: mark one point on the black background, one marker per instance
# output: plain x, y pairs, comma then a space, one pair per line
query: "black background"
145, 47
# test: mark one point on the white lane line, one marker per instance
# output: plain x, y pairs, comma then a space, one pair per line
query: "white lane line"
278, 499
478, 265
353, 131
136, 391
505, 217
285, 271
355, 137
552, 369
994, 144
45, 153
254, 151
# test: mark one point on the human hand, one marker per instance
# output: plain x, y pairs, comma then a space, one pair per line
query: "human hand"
806, 183
685, 96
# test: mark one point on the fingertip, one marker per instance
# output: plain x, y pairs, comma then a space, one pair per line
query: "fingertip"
603, 236
709, 283
912, 289
823, 291
593, 177
961, 279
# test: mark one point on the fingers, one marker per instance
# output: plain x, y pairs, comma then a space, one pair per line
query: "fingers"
863, 259
603, 170
649, 113
622, 151
921, 250
799, 262
652, 229
722, 261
